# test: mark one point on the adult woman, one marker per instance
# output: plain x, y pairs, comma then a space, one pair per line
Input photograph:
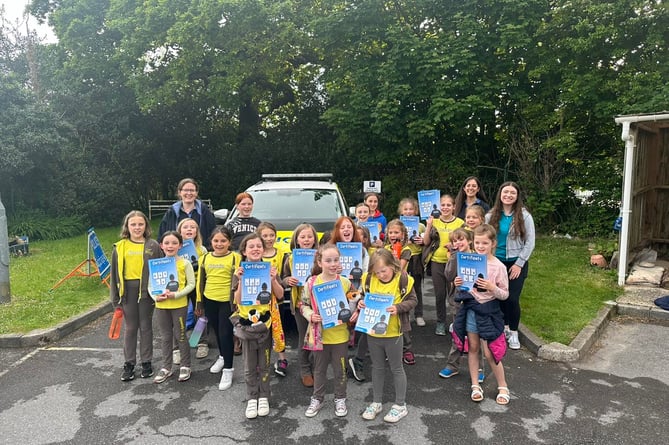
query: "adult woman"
470, 193
189, 206
372, 201
244, 223
515, 243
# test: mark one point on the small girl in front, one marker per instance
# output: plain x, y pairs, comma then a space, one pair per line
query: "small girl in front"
129, 290
334, 340
385, 279
480, 317
172, 310
258, 347
214, 283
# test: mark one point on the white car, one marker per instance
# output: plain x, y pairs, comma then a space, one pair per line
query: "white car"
287, 200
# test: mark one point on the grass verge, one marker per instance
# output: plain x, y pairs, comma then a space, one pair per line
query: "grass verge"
561, 295
563, 292
32, 306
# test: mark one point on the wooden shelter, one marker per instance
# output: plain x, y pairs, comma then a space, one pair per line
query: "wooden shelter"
645, 204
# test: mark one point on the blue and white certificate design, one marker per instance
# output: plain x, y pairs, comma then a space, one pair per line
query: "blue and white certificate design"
303, 262
351, 256
374, 317
428, 201
471, 266
255, 283
163, 276
331, 301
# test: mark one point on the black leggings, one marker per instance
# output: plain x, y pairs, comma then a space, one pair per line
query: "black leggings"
218, 316
511, 306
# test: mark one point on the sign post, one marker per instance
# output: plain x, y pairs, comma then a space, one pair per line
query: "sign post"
5, 295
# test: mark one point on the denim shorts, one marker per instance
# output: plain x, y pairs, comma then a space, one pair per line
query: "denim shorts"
471, 322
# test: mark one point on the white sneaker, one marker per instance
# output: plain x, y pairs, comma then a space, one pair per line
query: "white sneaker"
371, 411
226, 379
314, 407
340, 407
176, 357
252, 409
514, 343
217, 366
202, 350
420, 321
263, 406
396, 413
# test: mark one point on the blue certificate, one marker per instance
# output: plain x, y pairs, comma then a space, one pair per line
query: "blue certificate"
255, 283
351, 256
374, 230
428, 202
412, 223
471, 266
303, 262
332, 303
163, 276
189, 252
374, 317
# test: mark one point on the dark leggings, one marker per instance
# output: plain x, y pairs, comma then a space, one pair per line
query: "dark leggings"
511, 306
218, 316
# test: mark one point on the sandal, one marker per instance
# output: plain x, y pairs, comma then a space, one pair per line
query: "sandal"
477, 393
503, 398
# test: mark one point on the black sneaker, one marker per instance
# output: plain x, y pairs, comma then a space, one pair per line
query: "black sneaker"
357, 369
147, 370
281, 367
128, 372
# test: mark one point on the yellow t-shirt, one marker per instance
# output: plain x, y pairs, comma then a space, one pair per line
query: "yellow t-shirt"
444, 228
377, 286
133, 263
276, 260
218, 271
337, 334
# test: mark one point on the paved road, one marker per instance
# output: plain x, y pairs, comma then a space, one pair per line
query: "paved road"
70, 392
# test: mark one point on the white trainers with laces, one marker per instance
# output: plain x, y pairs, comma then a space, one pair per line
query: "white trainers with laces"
226, 379
514, 343
372, 411
396, 413
217, 366
340, 407
314, 407
420, 321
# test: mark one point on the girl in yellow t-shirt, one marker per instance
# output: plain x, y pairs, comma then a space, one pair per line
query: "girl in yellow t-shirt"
443, 226
386, 278
214, 298
334, 348
172, 309
256, 348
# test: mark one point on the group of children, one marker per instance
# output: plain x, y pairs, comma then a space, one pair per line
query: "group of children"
393, 266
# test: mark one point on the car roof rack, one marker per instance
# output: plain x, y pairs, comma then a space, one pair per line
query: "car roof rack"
293, 176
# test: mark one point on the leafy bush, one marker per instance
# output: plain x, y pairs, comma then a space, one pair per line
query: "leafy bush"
38, 226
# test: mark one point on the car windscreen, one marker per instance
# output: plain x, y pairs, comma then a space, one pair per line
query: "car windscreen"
298, 204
